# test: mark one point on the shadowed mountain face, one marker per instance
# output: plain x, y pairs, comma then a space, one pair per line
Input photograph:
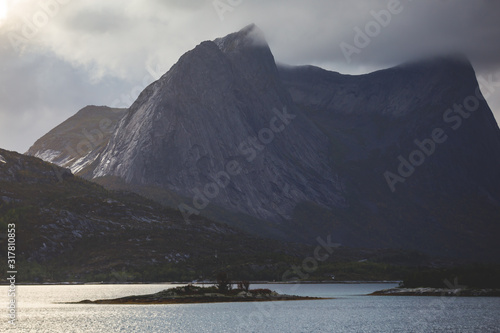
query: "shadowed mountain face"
419, 150
406, 157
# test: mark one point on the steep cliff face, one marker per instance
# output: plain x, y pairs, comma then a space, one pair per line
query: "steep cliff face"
220, 127
419, 150
395, 112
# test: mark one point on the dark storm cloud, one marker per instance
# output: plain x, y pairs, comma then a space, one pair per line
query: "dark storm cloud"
40, 91
415, 29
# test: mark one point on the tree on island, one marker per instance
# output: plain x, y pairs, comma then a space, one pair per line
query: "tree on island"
244, 285
224, 284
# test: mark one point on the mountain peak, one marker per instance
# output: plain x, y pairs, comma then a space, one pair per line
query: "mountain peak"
249, 36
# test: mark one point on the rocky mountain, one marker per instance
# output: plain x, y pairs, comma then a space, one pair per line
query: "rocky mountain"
219, 127
406, 157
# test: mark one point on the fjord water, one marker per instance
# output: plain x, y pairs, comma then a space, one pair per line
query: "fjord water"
39, 310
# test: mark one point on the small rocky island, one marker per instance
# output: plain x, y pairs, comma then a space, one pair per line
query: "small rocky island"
474, 280
465, 292
196, 294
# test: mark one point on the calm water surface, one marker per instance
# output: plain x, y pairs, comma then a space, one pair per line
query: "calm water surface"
350, 311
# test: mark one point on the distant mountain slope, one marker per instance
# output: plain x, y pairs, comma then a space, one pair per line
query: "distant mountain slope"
77, 142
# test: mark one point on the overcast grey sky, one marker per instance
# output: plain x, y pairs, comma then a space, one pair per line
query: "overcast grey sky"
57, 56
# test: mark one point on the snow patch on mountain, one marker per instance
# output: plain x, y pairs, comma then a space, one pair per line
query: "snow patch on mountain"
48, 155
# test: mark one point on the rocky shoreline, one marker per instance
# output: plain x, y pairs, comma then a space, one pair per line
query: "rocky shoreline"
187, 295
438, 292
